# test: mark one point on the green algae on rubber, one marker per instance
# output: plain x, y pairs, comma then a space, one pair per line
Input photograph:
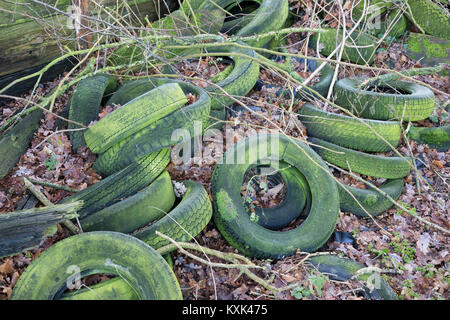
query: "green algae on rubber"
363, 53
183, 222
349, 132
85, 102
270, 16
134, 116
142, 267
432, 18
238, 81
372, 200
411, 102
135, 211
114, 289
240, 19
396, 28
121, 184
437, 137
231, 216
360, 162
159, 134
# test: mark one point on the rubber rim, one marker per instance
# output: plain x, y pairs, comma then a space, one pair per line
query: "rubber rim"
233, 220
107, 252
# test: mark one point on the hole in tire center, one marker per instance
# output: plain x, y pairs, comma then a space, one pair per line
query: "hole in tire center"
86, 282
387, 89
263, 187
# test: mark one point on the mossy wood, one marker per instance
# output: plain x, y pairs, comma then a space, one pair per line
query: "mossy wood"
28, 29
25, 229
428, 49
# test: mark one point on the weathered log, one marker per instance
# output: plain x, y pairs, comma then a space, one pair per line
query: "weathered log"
28, 201
24, 230
14, 142
32, 33
428, 49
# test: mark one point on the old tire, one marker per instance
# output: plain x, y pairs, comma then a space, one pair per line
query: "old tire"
360, 162
373, 201
121, 184
85, 104
157, 135
342, 269
333, 37
183, 222
297, 199
270, 16
135, 211
98, 252
431, 17
232, 218
15, 141
349, 132
134, 116
413, 102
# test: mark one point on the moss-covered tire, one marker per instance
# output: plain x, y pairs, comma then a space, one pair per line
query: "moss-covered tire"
114, 289
121, 184
321, 87
438, 137
98, 252
350, 132
134, 116
373, 201
395, 22
158, 135
342, 269
360, 162
412, 102
270, 16
183, 222
85, 104
296, 200
236, 82
431, 17
363, 53
241, 15
231, 216
135, 211
239, 81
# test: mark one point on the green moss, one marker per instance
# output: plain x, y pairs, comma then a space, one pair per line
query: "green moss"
225, 206
432, 47
436, 136
222, 75
370, 200
414, 43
